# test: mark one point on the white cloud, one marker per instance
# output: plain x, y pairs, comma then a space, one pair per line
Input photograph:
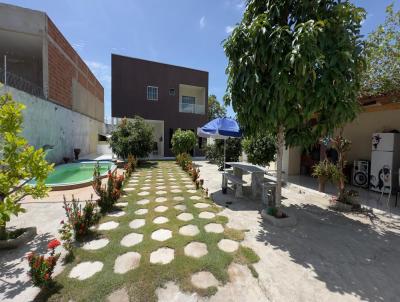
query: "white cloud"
240, 5
229, 29
202, 22
78, 45
101, 71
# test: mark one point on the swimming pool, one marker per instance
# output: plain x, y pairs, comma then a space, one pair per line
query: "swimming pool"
75, 175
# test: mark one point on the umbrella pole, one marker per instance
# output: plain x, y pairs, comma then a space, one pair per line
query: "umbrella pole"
224, 153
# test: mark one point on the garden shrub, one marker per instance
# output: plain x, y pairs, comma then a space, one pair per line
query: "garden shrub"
260, 149
215, 152
19, 162
42, 267
184, 160
131, 165
132, 137
108, 193
81, 218
183, 141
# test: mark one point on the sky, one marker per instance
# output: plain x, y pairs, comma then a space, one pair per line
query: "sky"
188, 33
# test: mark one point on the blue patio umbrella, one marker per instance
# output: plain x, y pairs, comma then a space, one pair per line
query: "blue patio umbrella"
221, 128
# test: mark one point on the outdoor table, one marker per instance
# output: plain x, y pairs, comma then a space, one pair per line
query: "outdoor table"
257, 174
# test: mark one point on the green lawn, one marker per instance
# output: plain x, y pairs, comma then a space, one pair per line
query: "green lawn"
142, 282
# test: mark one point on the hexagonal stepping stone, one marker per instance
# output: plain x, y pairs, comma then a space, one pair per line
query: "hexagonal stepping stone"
206, 215
190, 186
160, 187
160, 180
116, 214
110, 225
119, 295
172, 179
185, 216
141, 211
143, 201
160, 209
134, 181
189, 230
176, 191
147, 180
195, 197
214, 228
160, 199
161, 192
129, 189
180, 207
160, 220
178, 198
121, 204
192, 191
86, 270
203, 280
145, 188
174, 187
131, 239
95, 244
228, 245
143, 193
161, 235
126, 262
163, 255
196, 249
201, 205
137, 223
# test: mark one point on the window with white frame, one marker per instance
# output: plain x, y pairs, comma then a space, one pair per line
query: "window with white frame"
188, 104
152, 93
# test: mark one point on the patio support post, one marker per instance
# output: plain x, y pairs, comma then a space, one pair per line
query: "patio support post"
280, 142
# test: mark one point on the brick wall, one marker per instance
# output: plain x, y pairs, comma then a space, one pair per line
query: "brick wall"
66, 66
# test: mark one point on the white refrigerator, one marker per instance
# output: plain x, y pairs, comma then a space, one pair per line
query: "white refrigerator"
385, 162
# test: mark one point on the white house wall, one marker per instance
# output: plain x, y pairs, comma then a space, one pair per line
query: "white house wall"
46, 123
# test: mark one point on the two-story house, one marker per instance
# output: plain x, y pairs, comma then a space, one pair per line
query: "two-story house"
166, 96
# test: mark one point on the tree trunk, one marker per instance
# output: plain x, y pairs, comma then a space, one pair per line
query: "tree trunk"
3, 231
279, 144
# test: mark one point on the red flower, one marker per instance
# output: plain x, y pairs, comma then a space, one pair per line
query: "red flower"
47, 276
62, 222
53, 244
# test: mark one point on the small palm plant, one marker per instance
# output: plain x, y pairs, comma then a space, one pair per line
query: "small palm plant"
325, 171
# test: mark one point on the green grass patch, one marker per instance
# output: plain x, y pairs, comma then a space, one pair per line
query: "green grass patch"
142, 282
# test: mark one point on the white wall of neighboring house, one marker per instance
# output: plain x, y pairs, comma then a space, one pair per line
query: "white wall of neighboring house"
46, 123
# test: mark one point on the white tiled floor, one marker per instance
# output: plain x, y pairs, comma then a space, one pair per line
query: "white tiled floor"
367, 197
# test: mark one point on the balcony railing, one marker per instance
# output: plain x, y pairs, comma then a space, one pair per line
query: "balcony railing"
192, 108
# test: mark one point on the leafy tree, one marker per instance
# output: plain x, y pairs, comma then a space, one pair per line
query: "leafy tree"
19, 163
132, 137
382, 75
215, 108
291, 62
260, 149
183, 141
215, 152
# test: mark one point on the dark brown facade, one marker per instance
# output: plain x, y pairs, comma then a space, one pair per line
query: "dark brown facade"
130, 79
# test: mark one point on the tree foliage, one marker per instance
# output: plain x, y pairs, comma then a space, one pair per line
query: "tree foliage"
132, 137
215, 108
19, 163
291, 62
183, 141
260, 149
382, 75
215, 152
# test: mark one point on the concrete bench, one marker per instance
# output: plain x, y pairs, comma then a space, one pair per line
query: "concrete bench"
236, 180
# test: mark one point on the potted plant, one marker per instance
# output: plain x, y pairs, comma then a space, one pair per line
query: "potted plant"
77, 151
324, 171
